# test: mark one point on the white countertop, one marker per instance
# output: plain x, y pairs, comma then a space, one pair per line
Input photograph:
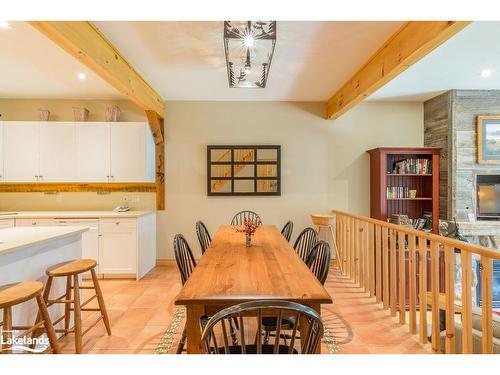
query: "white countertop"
13, 239
72, 214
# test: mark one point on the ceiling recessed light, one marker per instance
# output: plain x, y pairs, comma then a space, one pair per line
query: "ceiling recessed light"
82, 76
486, 73
4, 25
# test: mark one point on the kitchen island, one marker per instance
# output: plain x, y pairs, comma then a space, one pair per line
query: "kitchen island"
25, 254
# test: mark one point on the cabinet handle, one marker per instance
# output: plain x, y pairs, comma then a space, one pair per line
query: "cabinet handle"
117, 223
33, 223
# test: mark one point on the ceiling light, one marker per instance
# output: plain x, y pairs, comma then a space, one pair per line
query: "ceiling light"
4, 25
486, 73
245, 67
82, 76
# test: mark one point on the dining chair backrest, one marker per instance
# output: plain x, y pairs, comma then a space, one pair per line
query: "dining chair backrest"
240, 217
249, 316
203, 236
319, 260
287, 230
305, 242
183, 257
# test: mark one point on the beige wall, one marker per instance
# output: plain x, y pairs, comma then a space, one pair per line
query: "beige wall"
61, 110
324, 163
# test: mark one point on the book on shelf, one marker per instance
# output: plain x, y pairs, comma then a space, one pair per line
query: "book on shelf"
412, 166
400, 192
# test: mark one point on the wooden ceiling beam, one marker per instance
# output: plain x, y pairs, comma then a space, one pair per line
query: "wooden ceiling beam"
85, 42
412, 42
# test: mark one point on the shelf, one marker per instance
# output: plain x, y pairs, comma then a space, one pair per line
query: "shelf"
410, 199
409, 174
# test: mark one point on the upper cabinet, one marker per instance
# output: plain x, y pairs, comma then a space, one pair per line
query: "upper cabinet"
77, 152
93, 144
21, 151
57, 151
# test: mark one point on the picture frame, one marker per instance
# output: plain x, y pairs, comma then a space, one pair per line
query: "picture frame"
488, 139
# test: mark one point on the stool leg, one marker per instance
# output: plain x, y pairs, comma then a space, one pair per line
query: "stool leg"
67, 305
100, 301
46, 293
77, 315
49, 328
7, 326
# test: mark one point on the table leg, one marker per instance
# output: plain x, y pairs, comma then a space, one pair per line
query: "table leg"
303, 326
193, 332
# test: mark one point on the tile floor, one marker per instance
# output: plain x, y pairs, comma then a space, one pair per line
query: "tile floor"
140, 312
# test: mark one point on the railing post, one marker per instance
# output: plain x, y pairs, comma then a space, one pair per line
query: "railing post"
449, 260
356, 252
466, 260
412, 285
486, 299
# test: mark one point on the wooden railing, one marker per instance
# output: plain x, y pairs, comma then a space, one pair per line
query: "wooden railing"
419, 282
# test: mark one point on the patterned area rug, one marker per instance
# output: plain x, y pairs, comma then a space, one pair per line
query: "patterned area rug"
170, 340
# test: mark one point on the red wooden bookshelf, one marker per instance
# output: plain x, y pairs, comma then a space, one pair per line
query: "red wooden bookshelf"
382, 161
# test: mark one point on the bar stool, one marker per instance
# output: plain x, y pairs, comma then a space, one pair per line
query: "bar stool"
71, 270
15, 294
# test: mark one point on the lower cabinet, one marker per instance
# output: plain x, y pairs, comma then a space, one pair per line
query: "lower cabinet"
7, 223
35, 222
118, 247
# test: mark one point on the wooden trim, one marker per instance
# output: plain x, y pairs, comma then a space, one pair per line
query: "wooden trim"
408, 45
158, 129
105, 187
165, 262
85, 42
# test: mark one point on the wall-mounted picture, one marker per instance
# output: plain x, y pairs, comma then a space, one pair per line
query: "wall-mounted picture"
488, 139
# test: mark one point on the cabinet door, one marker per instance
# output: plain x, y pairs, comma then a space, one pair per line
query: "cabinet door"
93, 151
21, 151
7, 223
57, 151
1, 150
128, 152
45, 222
118, 246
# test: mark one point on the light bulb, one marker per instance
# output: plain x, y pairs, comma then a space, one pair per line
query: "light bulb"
82, 76
249, 40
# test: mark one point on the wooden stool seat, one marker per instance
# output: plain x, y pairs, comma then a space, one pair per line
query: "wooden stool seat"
14, 294
72, 267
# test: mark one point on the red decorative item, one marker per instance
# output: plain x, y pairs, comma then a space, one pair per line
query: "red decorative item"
249, 228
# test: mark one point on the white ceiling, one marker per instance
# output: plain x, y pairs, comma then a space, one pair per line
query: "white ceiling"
185, 60
457, 64
32, 66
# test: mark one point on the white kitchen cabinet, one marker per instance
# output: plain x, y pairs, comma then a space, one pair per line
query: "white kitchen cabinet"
118, 246
35, 222
7, 223
90, 238
1, 150
57, 151
93, 151
21, 151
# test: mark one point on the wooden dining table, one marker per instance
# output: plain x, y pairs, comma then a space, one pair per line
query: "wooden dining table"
230, 273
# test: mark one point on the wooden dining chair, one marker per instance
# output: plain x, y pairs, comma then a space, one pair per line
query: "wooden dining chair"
305, 242
203, 236
319, 260
186, 264
287, 230
250, 314
240, 217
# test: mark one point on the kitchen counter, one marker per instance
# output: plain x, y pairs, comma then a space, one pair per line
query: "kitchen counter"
72, 214
18, 238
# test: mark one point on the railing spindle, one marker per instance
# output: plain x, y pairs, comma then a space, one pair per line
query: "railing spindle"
466, 261
422, 251
378, 263
402, 277
449, 260
356, 252
412, 285
393, 276
385, 267
435, 295
486, 300
371, 256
